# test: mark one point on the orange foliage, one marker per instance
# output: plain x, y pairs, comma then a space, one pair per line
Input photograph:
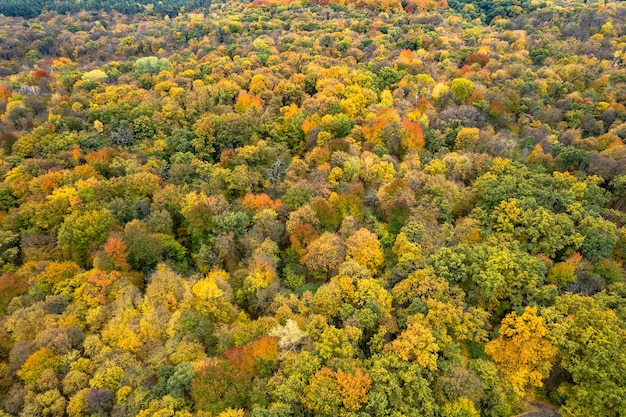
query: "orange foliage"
405, 57
242, 359
423, 104
496, 108
373, 131
615, 144
307, 125
4, 92
604, 141
389, 115
328, 390
265, 348
217, 387
246, 102
258, 202
353, 388
85, 172
476, 96
473, 236
466, 71
76, 154
414, 137
116, 250
101, 156
480, 59
618, 107
227, 156
324, 167
98, 282
50, 127
38, 74
11, 286
302, 235
57, 272
575, 259
48, 184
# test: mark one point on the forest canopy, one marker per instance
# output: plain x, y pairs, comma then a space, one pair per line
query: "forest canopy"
310, 208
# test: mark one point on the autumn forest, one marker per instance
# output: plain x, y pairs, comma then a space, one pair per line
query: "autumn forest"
286, 208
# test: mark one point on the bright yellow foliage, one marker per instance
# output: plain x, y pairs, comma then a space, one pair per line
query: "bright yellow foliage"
416, 344
207, 290
364, 248
521, 351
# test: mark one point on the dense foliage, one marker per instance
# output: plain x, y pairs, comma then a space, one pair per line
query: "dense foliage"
33, 8
300, 209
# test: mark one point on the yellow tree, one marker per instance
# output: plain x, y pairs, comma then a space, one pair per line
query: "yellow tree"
467, 139
408, 253
262, 272
522, 352
364, 248
416, 344
210, 296
339, 393
539, 157
321, 395
325, 254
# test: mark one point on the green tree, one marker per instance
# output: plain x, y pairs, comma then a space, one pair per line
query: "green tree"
493, 271
589, 337
399, 388
151, 65
80, 234
334, 343
8, 248
462, 89
144, 249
